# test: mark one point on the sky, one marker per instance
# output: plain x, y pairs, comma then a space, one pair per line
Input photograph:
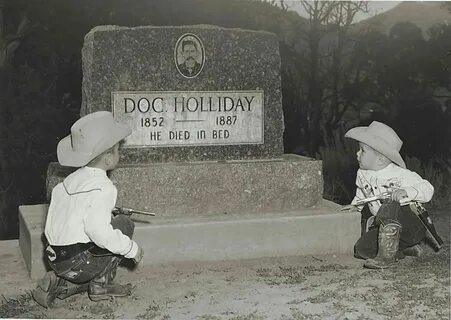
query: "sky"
374, 7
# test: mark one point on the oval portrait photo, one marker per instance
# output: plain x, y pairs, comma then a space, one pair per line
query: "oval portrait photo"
189, 55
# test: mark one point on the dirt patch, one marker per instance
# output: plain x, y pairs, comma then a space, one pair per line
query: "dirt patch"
285, 288
22, 306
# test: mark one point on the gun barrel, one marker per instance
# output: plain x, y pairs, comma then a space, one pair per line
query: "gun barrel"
373, 198
366, 200
141, 212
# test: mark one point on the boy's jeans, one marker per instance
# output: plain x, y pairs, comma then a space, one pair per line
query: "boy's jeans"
412, 231
88, 264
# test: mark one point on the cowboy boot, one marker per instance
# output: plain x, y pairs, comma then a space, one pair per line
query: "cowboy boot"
70, 289
102, 287
413, 251
388, 246
47, 289
51, 286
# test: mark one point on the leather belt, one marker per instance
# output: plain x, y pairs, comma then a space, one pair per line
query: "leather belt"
62, 253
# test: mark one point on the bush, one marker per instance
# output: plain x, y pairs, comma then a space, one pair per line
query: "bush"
438, 172
339, 170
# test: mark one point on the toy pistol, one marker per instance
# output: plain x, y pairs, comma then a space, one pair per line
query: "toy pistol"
129, 211
381, 196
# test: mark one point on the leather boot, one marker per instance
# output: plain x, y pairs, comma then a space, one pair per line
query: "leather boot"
51, 287
102, 287
388, 246
413, 251
70, 289
47, 289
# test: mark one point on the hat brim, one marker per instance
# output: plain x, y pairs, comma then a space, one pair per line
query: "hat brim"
361, 134
70, 158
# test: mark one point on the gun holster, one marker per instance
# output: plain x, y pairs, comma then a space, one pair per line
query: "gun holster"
366, 221
431, 234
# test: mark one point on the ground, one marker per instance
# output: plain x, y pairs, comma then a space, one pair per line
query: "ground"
285, 288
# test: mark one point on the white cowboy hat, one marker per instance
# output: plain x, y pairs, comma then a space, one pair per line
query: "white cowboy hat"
381, 138
90, 136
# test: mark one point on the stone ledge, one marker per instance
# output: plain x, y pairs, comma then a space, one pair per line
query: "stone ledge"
210, 187
31, 237
318, 230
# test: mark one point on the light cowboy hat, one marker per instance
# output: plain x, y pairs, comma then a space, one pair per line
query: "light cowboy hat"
381, 138
90, 136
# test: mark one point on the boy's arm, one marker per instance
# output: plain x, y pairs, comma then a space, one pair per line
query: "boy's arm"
98, 224
359, 195
417, 188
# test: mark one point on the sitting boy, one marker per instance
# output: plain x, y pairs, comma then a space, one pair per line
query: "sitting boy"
394, 230
85, 245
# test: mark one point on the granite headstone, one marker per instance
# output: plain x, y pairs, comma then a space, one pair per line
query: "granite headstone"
230, 109
205, 104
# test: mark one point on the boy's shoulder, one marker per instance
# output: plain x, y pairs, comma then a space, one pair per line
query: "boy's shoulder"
390, 171
395, 170
88, 179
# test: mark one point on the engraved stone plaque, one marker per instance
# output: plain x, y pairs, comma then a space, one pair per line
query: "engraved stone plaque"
191, 118
197, 113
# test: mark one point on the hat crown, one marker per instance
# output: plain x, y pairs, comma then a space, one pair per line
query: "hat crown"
386, 134
89, 131
90, 136
381, 138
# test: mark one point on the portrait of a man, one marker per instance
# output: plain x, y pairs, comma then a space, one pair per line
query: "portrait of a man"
189, 55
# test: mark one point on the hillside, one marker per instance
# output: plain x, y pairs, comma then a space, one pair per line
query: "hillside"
423, 14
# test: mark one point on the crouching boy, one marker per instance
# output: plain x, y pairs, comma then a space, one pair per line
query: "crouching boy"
393, 195
85, 244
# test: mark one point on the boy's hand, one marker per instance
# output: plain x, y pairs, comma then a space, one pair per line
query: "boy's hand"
139, 255
348, 208
398, 195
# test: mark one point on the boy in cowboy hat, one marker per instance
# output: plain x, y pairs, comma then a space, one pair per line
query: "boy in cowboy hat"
85, 245
394, 229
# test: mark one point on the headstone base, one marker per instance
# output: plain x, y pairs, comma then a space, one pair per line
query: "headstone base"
289, 183
317, 230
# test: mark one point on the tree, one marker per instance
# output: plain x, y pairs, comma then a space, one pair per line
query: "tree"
406, 84
326, 37
18, 30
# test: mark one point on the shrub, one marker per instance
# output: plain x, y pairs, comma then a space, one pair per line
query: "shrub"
339, 170
438, 172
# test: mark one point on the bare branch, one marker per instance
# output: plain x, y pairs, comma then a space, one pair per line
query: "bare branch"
9, 43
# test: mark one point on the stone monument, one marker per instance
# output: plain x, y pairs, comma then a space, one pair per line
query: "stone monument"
205, 143
206, 154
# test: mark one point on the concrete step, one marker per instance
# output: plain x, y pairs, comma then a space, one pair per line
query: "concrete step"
316, 230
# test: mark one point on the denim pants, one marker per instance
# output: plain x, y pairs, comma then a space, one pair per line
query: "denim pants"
412, 229
90, 263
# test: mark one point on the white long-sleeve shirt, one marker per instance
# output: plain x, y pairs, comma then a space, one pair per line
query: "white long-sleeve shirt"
80, 212
373, 183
